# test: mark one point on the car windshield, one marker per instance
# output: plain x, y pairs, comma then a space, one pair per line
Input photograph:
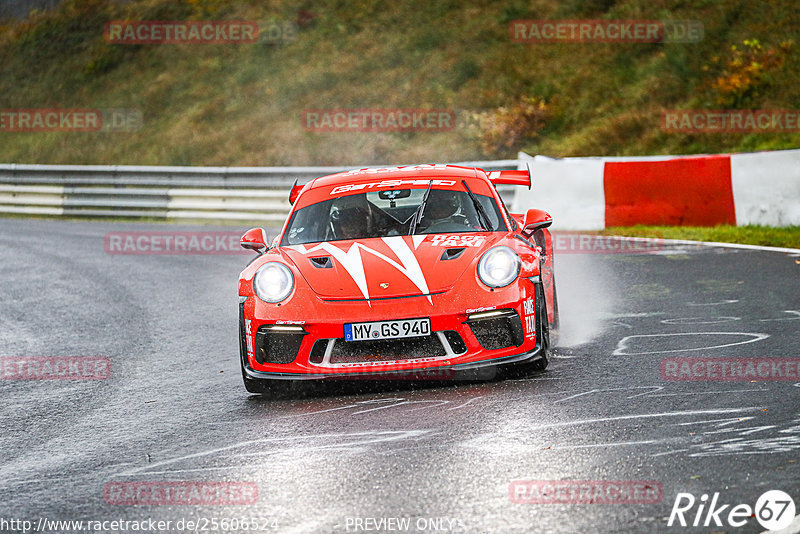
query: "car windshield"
393, 212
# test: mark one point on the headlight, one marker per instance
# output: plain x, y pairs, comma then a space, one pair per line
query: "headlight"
273, 282
499, 267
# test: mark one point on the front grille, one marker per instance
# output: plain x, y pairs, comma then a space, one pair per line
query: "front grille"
498, 331
275, 346
386, 350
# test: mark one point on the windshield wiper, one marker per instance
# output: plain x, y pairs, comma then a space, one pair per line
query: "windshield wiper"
417, 217
478, 207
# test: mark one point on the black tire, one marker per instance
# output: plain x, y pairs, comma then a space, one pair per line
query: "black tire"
554, 326
542, 338
542, 331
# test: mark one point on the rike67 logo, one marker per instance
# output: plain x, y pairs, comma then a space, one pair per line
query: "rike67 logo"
774, 510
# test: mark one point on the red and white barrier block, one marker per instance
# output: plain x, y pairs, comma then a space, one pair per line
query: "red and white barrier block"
594, 193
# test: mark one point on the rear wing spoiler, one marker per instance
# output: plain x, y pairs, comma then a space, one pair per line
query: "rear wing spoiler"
295, 191
512, 177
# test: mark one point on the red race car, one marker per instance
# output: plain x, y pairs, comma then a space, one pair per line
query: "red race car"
401, 272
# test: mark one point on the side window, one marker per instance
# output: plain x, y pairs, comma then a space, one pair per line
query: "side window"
308, 225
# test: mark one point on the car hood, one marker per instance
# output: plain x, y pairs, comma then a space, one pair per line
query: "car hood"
387, 267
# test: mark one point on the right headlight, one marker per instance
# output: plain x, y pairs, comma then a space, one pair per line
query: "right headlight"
273, 282
499, 267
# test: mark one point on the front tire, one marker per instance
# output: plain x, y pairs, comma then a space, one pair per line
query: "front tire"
555, 325
542, 331
542, 339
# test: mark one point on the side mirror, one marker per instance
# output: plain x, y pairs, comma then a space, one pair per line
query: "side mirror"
254, 239
535, 220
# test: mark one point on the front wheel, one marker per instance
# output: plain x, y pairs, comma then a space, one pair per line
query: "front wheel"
542, 339
542, 331
555, 325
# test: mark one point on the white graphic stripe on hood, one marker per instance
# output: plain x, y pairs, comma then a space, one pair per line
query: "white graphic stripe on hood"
410, 267
350, 260
353, 263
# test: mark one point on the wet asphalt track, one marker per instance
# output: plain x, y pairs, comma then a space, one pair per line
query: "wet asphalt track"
174, 408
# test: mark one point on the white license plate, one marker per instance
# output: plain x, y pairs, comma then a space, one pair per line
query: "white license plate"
387, 329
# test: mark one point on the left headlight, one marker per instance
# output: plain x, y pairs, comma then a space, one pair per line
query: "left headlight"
273, 282
499, 267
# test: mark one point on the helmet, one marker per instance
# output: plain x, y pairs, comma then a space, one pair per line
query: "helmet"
442, 204
351, 218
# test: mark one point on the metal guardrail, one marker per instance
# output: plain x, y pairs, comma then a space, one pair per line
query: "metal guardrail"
208, 193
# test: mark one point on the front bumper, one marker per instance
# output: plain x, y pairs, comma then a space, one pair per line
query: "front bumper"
475, 358
463, 371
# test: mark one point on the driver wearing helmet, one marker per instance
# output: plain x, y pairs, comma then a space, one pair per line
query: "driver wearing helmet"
441, 212
351, 218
